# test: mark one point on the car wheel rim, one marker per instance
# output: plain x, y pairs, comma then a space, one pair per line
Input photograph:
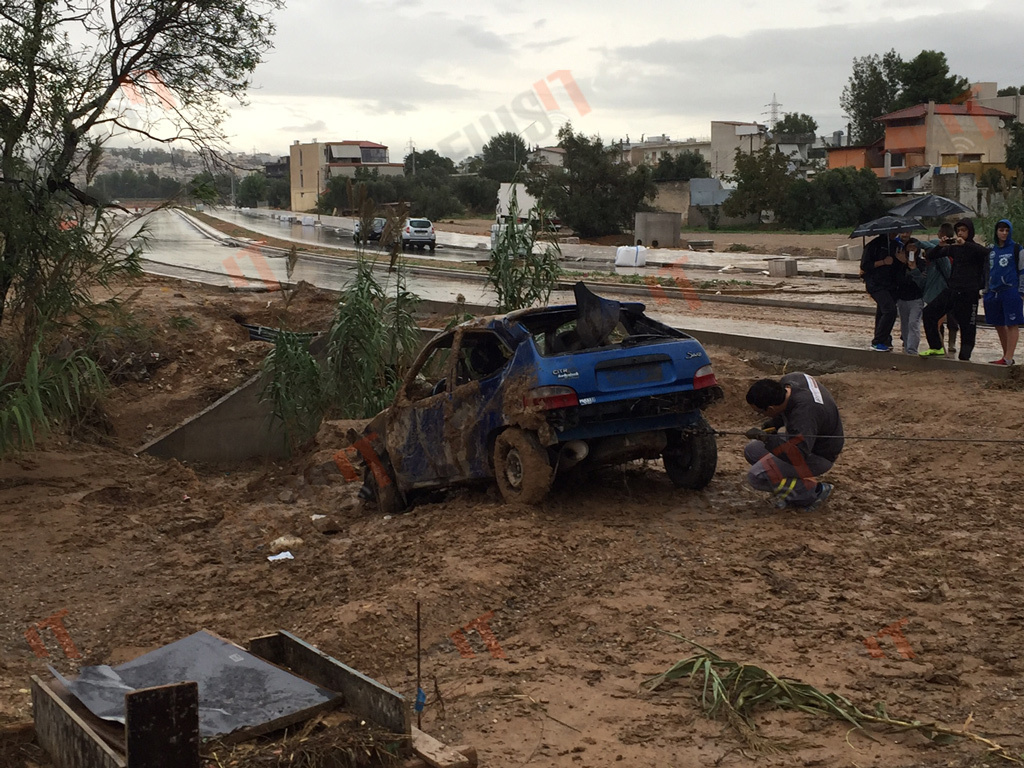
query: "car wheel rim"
514, 470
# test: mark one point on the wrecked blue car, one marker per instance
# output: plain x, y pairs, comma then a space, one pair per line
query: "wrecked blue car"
525, 397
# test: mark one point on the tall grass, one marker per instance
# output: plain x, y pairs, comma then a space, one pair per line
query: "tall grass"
521, 274
372, 340
50, 392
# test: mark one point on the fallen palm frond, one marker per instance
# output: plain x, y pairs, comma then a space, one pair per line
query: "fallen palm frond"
732, 691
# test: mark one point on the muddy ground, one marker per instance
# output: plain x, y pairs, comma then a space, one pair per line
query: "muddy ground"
921, 537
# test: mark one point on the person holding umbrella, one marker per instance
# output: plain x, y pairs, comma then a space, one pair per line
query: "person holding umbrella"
967, 278
881, 279
1003, 304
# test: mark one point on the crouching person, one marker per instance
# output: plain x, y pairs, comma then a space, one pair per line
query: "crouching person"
800, 441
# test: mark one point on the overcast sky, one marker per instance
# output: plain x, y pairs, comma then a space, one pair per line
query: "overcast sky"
395, 71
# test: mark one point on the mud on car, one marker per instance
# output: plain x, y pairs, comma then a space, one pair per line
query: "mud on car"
525, 397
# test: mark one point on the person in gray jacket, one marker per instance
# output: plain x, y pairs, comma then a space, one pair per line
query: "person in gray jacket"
801, 440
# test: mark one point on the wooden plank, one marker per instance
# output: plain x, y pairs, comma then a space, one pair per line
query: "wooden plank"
363, 696
68, 739
162, 726
468, 752
436, 754
251, 732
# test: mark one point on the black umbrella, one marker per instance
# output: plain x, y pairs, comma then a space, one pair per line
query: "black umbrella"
933, 206
887, 224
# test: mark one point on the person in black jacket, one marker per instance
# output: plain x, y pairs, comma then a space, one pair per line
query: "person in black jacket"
881, 280
967, 279
800, 441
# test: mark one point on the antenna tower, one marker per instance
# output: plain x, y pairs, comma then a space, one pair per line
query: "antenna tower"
773, 112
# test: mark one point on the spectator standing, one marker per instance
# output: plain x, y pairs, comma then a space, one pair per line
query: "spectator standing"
881, 281
933, 277
967, 279
1003, 304
909, 292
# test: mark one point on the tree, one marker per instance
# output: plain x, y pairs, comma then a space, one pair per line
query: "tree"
762, 179
279, 193
796, 122
1012, 90
926, 78
683, 167
252, 190
871, 92
503, 157
840, 197
883, 84
419, 162
72, 76
592, 191
1015, 149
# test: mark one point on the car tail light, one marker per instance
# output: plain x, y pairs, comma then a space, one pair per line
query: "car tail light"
704, 377
408, 229
547, 398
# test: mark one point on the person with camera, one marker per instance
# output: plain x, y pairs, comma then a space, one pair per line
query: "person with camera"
1003, 304
909, 292
968, 277
881, 280
801, 440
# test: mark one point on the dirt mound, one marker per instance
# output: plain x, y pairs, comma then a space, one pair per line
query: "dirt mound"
539, 623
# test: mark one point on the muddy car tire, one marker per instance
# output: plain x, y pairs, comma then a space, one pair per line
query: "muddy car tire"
692, 457
389, 499
522, 467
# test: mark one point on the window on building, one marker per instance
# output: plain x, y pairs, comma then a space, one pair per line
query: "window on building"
373, 154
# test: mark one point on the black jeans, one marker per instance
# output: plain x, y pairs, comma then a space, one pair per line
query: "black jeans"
963, 307
885, 316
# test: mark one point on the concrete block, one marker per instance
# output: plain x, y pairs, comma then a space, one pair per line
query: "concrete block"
781, 267
843, 253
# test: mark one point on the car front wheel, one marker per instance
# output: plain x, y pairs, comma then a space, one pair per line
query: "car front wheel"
692, 457
389, 499
522, 467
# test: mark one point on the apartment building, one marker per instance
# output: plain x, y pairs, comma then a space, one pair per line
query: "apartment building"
313, 165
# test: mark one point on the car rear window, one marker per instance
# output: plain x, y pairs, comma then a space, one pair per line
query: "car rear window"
419, 223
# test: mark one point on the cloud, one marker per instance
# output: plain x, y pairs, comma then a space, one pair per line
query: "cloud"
482, 38
735, 78
319, 125
547, 44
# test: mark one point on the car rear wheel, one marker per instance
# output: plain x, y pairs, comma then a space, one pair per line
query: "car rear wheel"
692, 457
522, 467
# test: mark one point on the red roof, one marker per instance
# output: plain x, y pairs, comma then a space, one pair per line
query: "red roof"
920, 110
360, 143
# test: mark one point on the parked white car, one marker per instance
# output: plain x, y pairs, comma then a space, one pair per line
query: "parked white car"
418, 233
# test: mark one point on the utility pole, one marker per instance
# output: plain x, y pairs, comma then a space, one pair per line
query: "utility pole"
412, 153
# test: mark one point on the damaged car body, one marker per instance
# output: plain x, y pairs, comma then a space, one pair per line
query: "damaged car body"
524, 397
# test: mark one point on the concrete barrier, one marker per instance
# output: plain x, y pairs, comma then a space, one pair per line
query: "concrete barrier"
782, 267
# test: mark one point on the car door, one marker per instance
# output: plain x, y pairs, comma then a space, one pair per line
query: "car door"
414, 434
475, 407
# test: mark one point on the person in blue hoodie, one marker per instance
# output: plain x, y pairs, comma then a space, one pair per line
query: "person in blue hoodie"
1004, 306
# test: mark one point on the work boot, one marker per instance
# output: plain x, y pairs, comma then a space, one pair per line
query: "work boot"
824, 491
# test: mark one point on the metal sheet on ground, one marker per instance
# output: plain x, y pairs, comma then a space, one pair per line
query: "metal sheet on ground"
236, 689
